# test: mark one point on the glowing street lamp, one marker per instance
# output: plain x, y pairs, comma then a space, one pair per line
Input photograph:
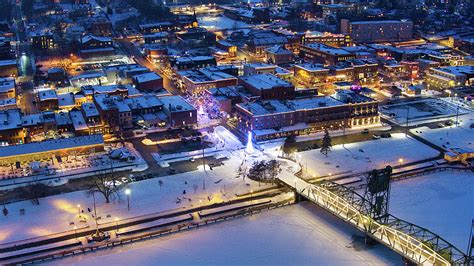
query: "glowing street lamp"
400, 161
128, 192
79, 210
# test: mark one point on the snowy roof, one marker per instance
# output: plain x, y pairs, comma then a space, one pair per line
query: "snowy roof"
266, 107
89, 38
176, 104
90, 109
327, 49
457, 70
143, 102
153, 25
7, 102
32, 120
107, 102
312, 67
10, 119
259, 65
146, 77
66, 99
51, 145
391, 22
205, 75
89, 75
63, 118
47, 95
7, 84
78, 120
7, 62
260, 108
278, 49
314, 103
265, 81
156, 35
107, 89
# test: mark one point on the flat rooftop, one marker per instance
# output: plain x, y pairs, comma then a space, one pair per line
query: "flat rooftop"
327, 49
264, 81
51, 145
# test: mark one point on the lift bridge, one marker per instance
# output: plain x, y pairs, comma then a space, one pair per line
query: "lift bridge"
369, 214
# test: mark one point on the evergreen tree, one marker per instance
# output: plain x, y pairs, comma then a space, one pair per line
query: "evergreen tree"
326, 145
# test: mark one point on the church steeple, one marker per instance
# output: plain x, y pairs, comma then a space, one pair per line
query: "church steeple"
195, 23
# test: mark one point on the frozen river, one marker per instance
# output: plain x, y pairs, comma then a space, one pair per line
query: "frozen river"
442, 202
299, 234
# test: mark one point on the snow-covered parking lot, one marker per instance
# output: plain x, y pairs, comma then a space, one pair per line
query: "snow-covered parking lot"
364, 156
461, 136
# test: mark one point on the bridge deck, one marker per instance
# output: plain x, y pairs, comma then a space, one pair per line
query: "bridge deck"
404, 244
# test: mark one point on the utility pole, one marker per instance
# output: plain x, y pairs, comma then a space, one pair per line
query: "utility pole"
343, 133
457, 115
471, 243
406, 125
95, 216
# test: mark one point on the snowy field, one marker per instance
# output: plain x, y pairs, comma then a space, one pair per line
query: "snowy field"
294, 235
220, 22
55, 213
442, 202
461, 136
365, 156
425, 110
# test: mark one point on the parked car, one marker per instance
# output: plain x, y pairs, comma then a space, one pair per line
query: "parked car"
386, 135
375, 136
365, 131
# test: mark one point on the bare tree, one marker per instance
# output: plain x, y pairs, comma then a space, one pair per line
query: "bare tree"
35, 191
108, 184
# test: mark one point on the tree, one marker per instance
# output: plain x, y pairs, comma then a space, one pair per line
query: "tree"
108, 184
35, 191
326, 145
289, 145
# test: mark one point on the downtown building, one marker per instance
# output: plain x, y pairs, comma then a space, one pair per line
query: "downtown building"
270, 119
378, 30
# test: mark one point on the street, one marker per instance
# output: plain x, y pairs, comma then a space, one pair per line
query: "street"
132, 51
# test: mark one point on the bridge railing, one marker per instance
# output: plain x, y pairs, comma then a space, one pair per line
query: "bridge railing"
402, 243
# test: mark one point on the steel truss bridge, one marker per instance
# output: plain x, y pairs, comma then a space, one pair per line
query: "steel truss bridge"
414, 243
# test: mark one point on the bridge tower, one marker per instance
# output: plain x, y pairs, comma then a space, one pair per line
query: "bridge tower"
377, 194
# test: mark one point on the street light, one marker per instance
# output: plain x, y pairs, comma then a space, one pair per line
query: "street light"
127, 192
79, 210
400, 161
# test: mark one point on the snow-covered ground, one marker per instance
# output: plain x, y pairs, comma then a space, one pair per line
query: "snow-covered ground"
294, 235
220, 22
55, 213
461, 136
364, 156
442, 202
